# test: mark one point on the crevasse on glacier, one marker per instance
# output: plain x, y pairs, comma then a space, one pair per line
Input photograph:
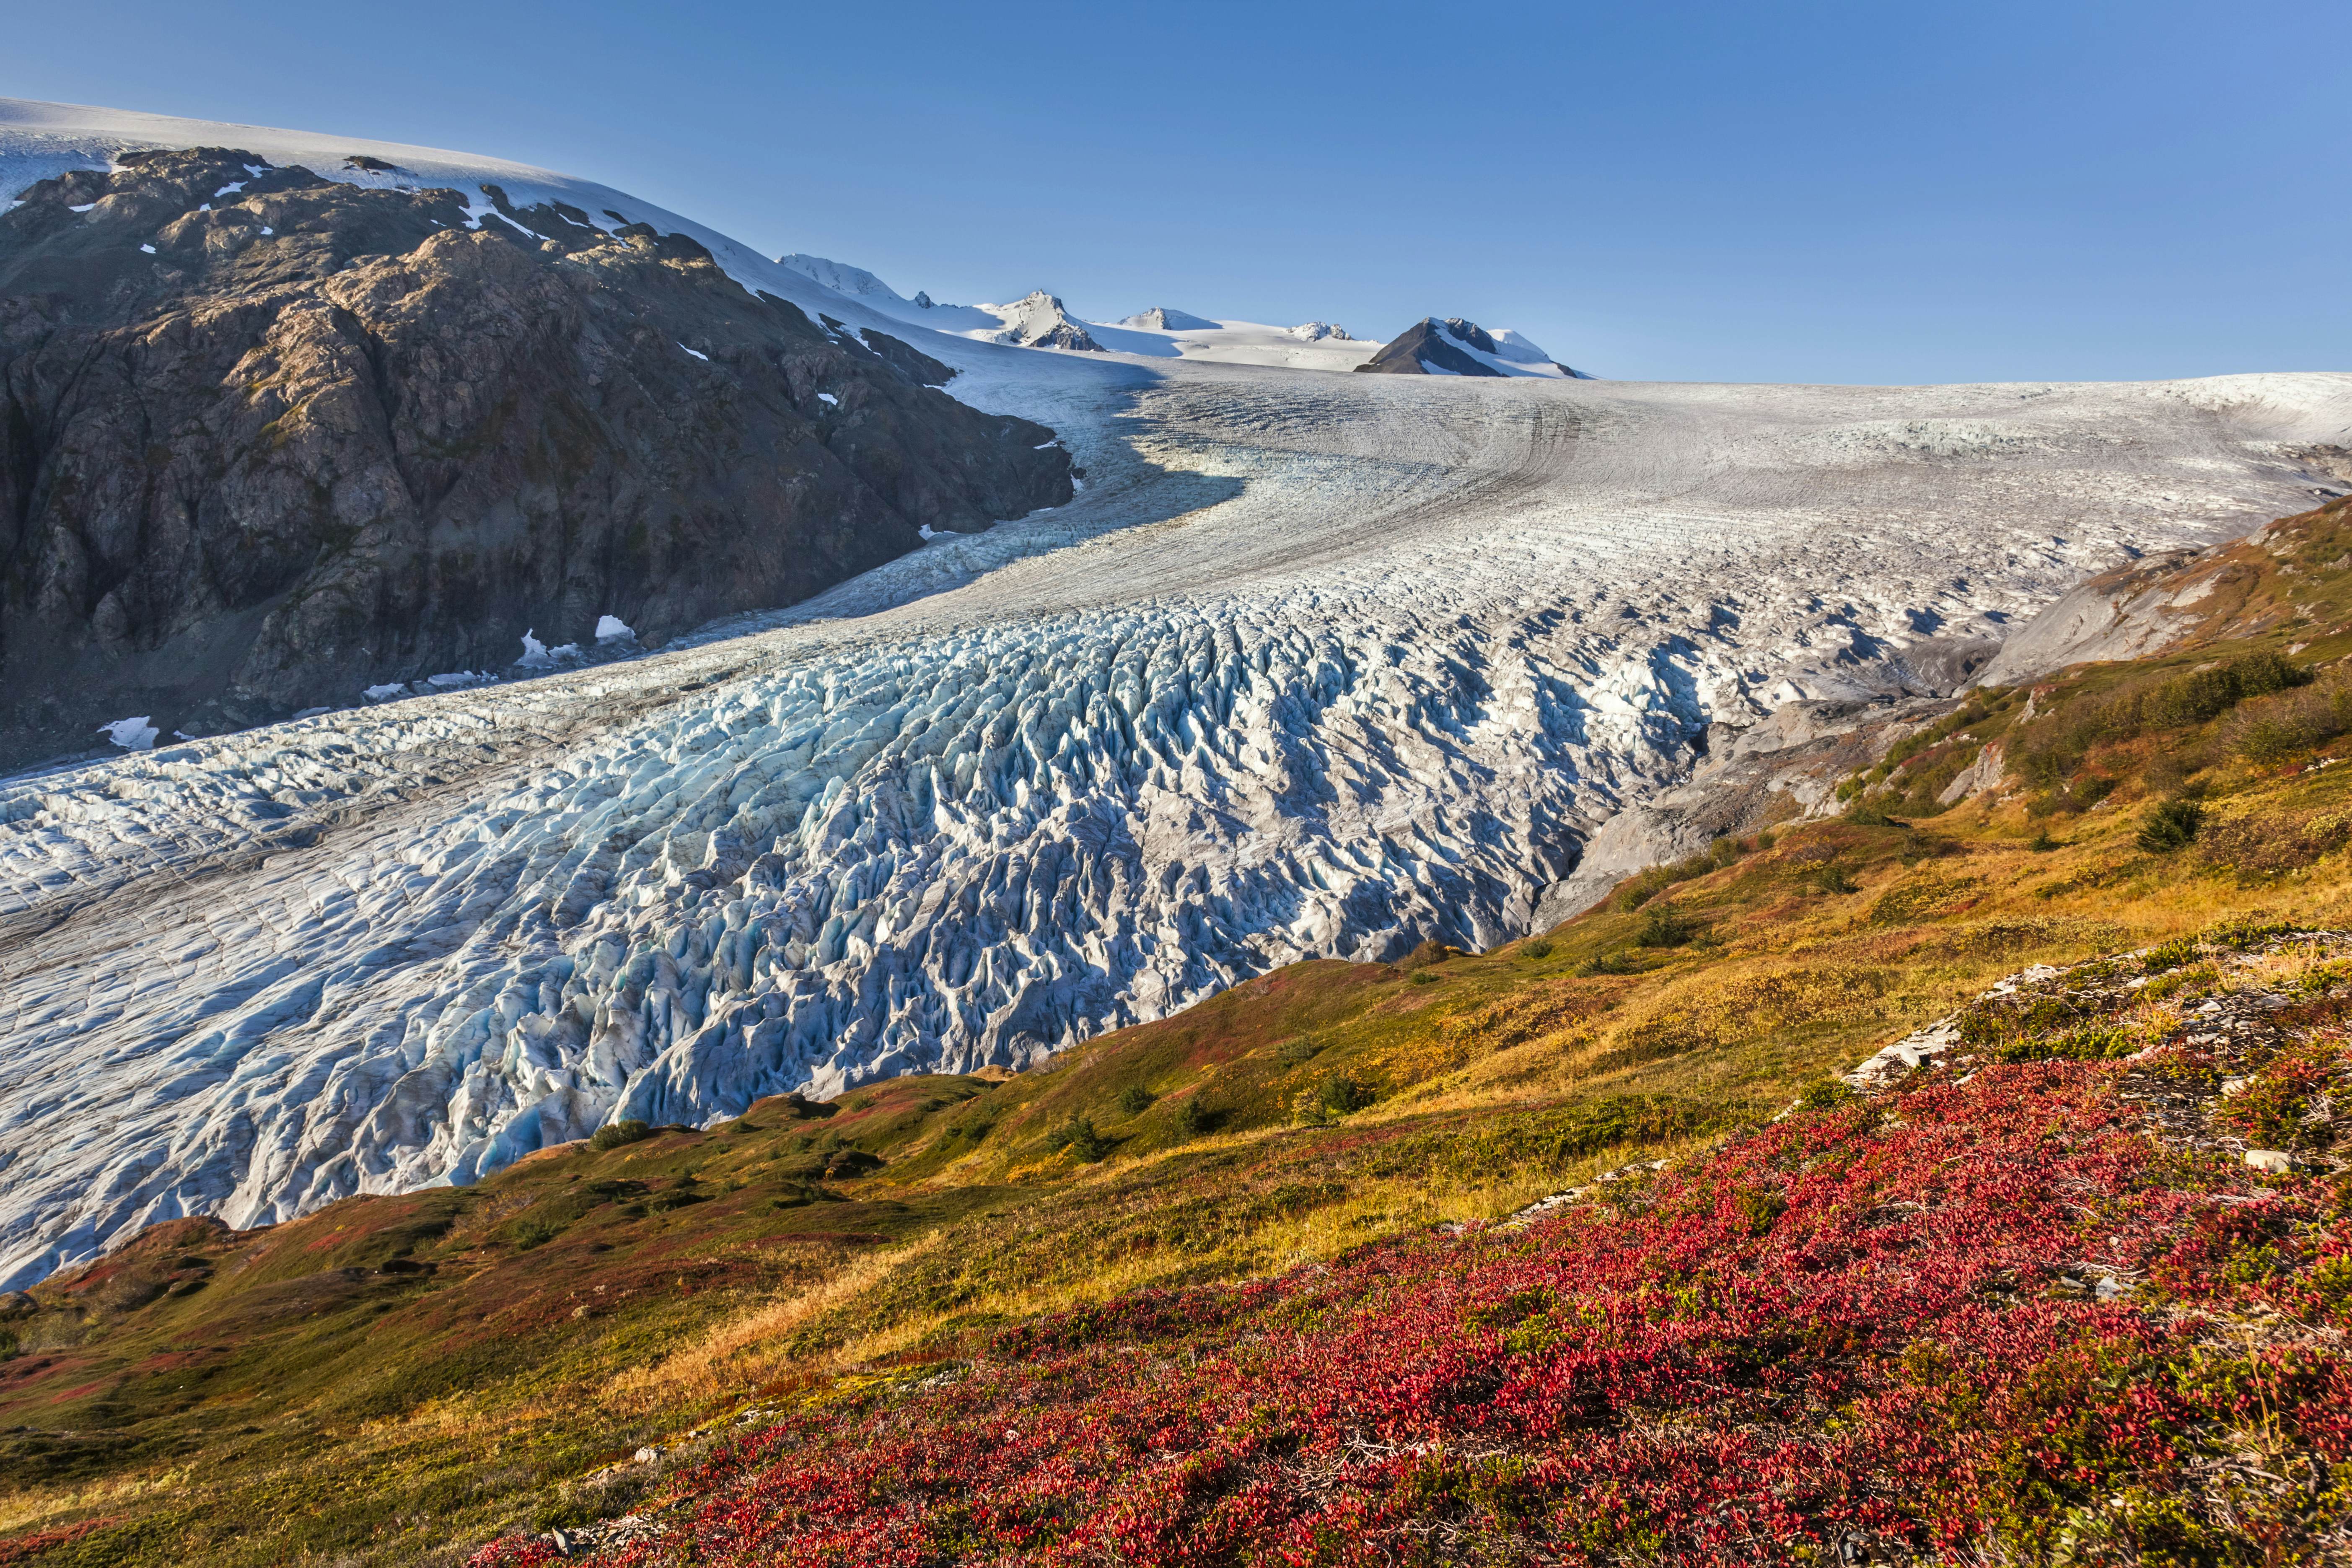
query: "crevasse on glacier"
967, 854
1394, 648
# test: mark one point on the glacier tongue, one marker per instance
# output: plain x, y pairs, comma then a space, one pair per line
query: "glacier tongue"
1313, 667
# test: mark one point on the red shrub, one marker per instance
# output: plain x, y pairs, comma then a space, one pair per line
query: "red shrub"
1877, 1325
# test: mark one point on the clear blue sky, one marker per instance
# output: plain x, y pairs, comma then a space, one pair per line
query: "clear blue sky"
1852, 193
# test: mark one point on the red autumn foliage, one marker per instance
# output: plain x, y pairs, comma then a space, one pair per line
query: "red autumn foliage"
1879, 1329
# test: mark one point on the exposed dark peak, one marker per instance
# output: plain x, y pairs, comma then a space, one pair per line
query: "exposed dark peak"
1470, 332
1452, 347
1424, 346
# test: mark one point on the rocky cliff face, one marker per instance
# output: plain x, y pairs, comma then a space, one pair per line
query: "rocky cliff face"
266, 439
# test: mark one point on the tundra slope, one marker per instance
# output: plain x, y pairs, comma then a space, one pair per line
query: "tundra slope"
1314, 665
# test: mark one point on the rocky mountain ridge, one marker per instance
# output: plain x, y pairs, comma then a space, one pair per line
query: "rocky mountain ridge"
1458, 347
271, 439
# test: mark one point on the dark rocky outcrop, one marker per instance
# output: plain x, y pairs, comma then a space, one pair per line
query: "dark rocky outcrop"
266, 439
1434, 347
1420, 346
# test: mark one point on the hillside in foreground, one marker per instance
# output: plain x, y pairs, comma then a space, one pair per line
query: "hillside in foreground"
1377, 1262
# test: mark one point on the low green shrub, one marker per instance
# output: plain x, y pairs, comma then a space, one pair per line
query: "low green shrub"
2171, 825
1759, 1207
2101, 1042
1825, 1094
1664, 925
1078, 1136
618, 1134
1135, 1100
1341, 1095
2245, 932
1195, 1116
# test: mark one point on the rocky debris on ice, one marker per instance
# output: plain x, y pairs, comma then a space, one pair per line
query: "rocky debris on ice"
2147, 606
1457, 347
1785, 767
1160, 319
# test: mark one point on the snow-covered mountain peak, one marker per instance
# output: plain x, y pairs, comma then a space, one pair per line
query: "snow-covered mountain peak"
843, 278
41, 141
1457, 347
1039, 321
1317, 331
1160, 319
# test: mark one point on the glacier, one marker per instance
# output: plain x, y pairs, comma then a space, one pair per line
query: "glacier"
1316, 665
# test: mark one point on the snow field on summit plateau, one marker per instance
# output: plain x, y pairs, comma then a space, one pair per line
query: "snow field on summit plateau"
1315, 664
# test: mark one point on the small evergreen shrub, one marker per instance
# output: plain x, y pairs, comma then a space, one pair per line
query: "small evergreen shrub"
1664, 925
1341, 1095
2245, 932
1135, 1100
2098, 1043
1078, 1136
1537, 949
618, 1134
2171, 825
530, 1232
1195, 1117
1759, 1207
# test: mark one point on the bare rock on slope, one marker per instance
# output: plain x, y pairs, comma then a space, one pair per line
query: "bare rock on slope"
266, 439
1782, 769
2166, 601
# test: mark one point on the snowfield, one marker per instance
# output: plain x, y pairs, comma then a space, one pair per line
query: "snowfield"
1315, 663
